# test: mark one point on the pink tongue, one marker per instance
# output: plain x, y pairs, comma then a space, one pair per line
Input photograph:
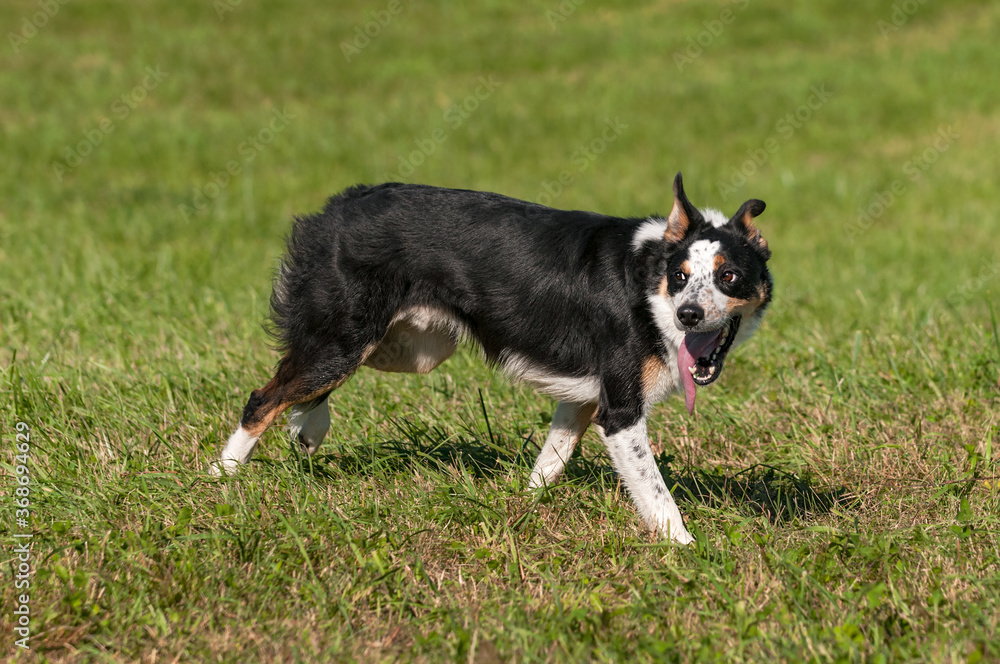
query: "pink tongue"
694, 344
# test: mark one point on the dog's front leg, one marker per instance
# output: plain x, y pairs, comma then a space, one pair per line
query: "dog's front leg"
624, 434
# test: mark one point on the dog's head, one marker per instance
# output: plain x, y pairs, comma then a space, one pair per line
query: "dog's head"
707, 283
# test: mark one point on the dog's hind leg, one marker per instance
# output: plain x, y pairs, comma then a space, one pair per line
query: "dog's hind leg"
568, 425
308, 424
300, 379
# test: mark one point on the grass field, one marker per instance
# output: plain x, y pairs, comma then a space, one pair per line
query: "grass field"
841, 479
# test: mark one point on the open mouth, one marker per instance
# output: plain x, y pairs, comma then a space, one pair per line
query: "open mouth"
702, 355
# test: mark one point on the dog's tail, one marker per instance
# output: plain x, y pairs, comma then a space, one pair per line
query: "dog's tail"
307, 293
309, 253
278, 324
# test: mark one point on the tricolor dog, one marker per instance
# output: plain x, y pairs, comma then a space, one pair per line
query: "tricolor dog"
607, 315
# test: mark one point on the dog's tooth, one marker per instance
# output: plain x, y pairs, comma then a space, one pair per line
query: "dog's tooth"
711, 371
692, 370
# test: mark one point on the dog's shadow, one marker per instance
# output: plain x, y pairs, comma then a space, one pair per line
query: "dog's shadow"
760, 489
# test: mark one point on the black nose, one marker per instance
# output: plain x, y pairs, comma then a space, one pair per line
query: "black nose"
690, 315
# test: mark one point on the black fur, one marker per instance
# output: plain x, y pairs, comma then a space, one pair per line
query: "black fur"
521, 277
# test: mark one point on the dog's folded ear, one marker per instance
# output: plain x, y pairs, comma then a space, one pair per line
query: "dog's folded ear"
743, 221
682, 215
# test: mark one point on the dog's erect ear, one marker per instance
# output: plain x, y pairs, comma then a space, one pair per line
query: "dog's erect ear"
682, 214
743, 221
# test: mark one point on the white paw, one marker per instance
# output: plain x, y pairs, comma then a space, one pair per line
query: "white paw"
223, 467
678, 535
308, 428
542, 478
307, 446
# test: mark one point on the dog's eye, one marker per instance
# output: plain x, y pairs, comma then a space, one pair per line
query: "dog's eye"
680, 276
729, 277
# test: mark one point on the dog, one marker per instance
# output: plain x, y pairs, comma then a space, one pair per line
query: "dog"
608, 315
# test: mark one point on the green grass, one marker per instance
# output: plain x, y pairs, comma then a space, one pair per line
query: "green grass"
841, 479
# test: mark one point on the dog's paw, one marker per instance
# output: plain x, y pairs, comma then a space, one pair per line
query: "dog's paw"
223, 467
684, 538
675, 532
308, 446
536, 482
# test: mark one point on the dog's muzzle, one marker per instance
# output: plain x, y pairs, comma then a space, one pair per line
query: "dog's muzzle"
702, 355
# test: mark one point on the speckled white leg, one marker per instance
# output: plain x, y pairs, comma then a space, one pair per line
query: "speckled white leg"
634, 461
568, 425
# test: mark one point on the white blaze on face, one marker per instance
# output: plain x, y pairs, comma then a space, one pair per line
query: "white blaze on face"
701, 257
701, 288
